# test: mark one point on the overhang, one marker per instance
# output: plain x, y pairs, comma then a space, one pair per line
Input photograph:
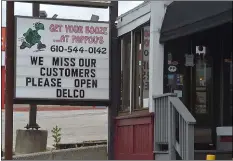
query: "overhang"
133, 18
184, 18
91, 4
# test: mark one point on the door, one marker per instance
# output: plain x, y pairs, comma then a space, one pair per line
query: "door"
205, 87
202, 98
202, 88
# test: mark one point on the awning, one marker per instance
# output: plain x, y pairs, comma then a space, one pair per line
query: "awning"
184, 18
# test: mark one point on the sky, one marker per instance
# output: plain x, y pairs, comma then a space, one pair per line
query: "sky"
79, 13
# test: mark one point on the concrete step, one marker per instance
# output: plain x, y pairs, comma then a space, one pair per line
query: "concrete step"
199, 155
220, 155
161, 155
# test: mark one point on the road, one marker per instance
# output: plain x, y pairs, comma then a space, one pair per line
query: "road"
76, 126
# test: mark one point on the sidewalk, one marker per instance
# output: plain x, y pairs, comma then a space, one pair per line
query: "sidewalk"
76, 126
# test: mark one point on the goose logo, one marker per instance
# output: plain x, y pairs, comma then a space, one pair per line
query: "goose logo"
172, 68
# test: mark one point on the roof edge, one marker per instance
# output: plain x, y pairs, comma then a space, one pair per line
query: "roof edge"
132, 10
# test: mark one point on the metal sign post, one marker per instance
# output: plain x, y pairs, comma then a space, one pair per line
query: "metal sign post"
115, 79
9, 80
33, 108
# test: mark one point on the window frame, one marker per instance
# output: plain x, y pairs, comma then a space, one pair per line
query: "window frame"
135, 99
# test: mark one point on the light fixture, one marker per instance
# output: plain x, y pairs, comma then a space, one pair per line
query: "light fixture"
43, 14
54, 16
94, 17
201, 50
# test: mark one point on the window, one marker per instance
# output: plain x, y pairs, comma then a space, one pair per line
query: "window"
227, 87
145, 65
125, 70
141, 68
135, 69
227, 75
176, 74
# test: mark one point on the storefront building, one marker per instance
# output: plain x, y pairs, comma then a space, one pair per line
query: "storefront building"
198, 45
138, 32
168, 48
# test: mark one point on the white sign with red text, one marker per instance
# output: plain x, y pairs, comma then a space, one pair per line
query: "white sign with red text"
61, 59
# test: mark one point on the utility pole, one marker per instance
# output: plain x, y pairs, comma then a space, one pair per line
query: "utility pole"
115, 78
33, 108
9, 79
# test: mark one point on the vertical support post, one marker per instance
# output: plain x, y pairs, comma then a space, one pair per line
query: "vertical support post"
115, 76
141, 69
156, 128
132, 91
35, 9
189, 142
171, 132
33, 108
9, 80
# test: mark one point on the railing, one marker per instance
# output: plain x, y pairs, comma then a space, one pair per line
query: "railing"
174, 126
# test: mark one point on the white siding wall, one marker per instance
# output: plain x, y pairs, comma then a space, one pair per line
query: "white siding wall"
156, 61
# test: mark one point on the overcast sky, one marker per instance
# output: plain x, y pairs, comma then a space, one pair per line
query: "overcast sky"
25, 9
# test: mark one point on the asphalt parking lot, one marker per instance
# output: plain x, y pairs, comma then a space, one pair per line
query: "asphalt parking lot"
77, 125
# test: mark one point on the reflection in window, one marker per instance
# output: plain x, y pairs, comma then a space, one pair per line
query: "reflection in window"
125, 68
141, 68
203, 76
135, 69
229, 64
203, 71
227, 79
231, 90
